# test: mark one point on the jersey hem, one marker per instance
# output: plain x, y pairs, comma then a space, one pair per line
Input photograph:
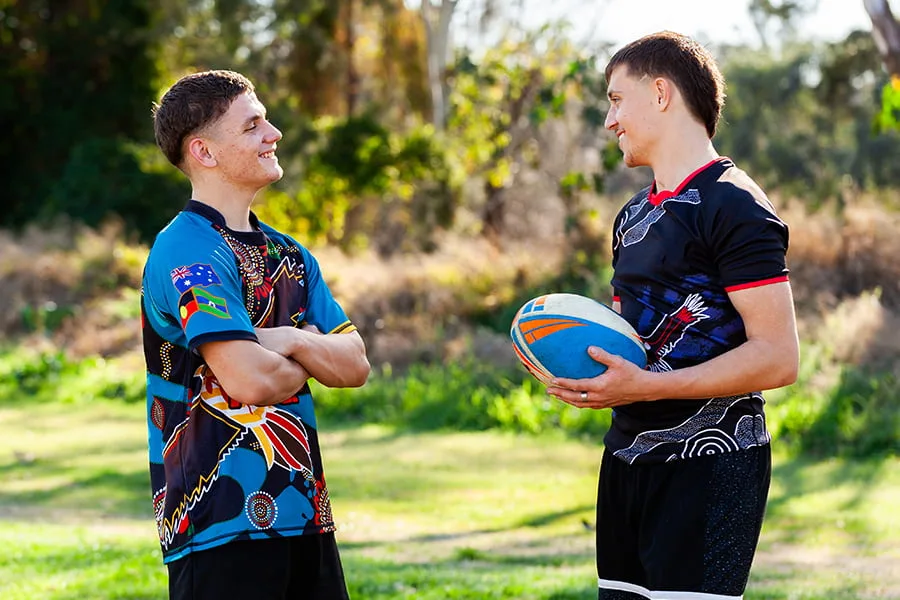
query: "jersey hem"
222, 336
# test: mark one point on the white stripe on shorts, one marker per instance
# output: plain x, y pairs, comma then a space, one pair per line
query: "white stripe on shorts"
623, 586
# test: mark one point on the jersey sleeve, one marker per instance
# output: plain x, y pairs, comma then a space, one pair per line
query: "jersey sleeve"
197, 286
322, 309
748, 242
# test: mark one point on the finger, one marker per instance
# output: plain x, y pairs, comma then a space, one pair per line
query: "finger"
573, 384
601, 355
567, 396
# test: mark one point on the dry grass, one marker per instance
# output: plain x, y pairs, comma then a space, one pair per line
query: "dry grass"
74, 287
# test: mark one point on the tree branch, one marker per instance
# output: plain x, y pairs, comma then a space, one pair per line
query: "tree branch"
886, 33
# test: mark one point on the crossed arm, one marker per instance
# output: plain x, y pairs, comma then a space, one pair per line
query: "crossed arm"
268, 372
767, 360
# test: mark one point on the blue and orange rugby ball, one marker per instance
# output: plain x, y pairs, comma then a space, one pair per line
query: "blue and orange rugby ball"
551, 335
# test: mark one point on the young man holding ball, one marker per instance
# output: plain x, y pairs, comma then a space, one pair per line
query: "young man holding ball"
700, 273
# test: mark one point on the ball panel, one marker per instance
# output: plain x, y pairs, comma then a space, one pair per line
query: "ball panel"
527, 357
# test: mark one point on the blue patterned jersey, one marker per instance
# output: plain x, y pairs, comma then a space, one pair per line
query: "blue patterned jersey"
221, 470
676, 255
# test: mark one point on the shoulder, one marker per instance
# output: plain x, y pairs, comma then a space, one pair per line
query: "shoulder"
183, 234
188, 239
634, 203
735, 190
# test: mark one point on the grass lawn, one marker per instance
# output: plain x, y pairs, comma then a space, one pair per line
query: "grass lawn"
425, 516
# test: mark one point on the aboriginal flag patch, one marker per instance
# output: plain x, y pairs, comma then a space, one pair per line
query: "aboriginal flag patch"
199, 300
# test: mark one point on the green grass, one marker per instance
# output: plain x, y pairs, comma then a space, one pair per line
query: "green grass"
469, 515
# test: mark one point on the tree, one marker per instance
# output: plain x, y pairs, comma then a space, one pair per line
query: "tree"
886, 32
73, 72
437, 19
762, 12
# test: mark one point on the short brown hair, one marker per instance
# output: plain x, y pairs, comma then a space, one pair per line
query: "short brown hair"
191, 104
683, 60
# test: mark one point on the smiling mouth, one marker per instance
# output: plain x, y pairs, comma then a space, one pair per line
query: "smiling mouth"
267, 154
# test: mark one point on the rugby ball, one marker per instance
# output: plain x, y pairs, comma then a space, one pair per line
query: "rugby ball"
551, 335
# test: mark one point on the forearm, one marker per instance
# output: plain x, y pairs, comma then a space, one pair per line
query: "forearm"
251, 374
753, 366
280, 379
334, 360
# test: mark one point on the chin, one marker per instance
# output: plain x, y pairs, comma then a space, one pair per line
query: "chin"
276, 174
632, 161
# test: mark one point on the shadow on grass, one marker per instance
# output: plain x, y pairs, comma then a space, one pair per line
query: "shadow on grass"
107, 571
107, 492
802, 476
467, 580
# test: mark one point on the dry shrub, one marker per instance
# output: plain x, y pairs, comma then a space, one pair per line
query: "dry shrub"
54, 280
836, 255
862, 332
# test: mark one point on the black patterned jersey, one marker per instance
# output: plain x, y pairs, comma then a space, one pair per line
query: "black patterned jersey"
222, 470
676, 256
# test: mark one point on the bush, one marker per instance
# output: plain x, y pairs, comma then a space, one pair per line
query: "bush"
107, 177
837, 409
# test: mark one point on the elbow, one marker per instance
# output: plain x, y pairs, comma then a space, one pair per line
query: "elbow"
784, 372
789, 376
360, 373
258, 393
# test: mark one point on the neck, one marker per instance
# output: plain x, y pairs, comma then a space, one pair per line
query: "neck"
233, 203
670, 169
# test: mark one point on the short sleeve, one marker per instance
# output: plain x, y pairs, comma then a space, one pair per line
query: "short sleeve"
322, 309
748, 242
197, 286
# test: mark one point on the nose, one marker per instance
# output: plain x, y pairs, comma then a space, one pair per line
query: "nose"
611, 122
274, 134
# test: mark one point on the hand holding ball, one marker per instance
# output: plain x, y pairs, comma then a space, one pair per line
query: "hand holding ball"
551, 335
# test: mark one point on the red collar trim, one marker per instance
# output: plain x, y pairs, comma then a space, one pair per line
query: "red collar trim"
657, 198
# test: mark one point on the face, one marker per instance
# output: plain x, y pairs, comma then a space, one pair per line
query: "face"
243, 144
633, 107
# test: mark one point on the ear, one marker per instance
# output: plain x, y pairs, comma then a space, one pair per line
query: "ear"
664, 90
198, 150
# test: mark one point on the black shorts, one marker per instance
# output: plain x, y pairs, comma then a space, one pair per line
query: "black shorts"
682, 529
305, 567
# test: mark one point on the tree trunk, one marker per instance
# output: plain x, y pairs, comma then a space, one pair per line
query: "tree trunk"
437, 33
352, 92
886, 32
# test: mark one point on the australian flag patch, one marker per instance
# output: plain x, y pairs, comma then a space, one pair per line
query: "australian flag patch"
185, 278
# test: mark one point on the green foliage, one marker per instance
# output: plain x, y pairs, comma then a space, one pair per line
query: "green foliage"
71, 71
354, 163
114, 177
801, 122
26, 377
889, 117
499, 103
858, 415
